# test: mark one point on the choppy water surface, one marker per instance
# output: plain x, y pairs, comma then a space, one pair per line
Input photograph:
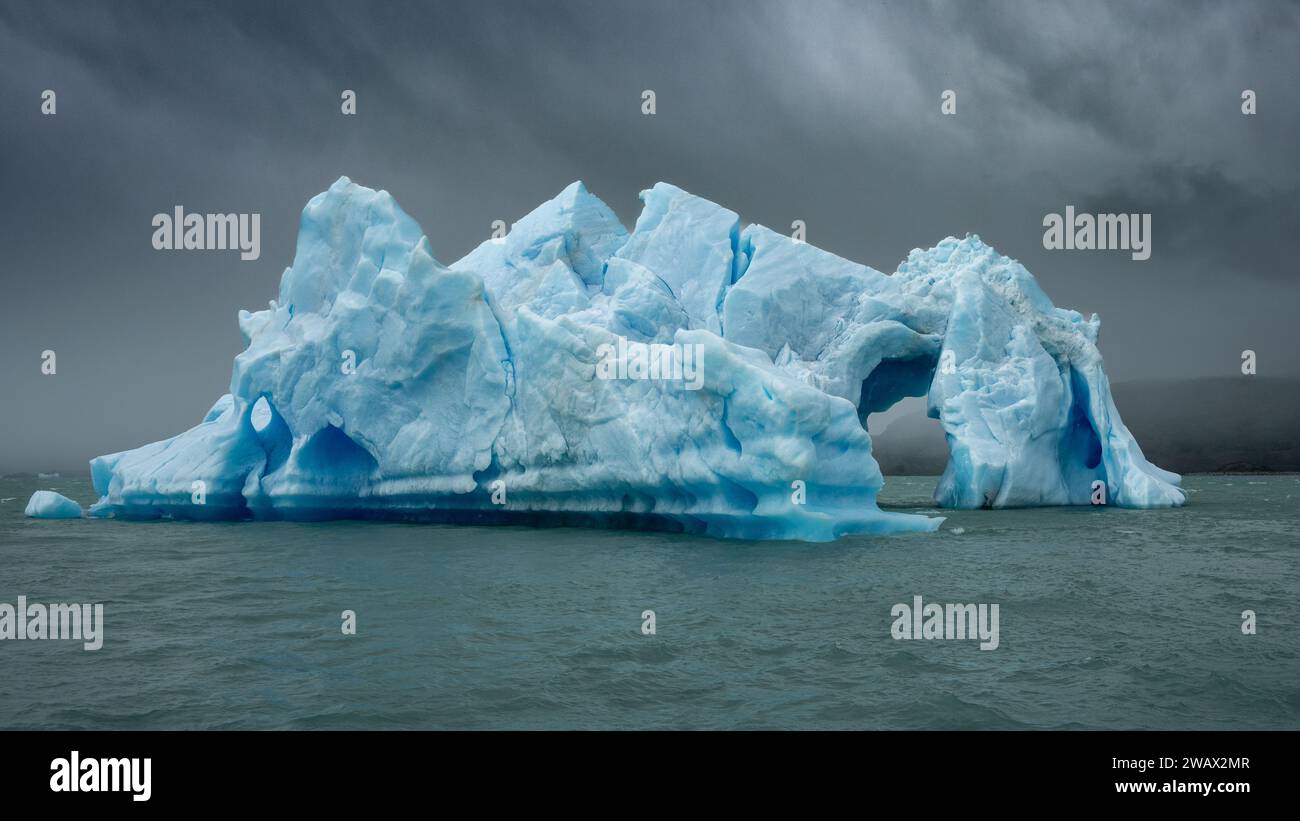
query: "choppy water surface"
1108, 619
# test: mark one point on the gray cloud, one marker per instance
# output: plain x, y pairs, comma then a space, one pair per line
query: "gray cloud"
469, 112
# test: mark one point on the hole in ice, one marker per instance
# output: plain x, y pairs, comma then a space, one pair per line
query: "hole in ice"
892, 408
907, 442
261, 416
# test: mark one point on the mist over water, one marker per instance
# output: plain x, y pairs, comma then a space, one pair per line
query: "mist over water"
1110, 618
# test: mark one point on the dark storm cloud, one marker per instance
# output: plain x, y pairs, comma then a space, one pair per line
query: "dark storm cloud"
471, 112
1251, 229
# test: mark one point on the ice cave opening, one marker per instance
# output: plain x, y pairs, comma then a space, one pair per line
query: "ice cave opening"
905, 441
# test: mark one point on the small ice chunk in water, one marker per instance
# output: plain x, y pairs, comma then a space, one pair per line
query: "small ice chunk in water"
46, 504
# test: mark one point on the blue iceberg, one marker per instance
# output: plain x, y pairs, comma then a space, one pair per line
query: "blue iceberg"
46, 504
691, 374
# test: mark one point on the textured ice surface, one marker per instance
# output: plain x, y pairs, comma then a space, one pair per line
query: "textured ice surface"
477, 393
46, 504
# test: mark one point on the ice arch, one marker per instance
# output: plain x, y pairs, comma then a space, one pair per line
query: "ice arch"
1016, 382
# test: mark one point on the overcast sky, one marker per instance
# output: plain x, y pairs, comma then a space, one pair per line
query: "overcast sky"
471, 112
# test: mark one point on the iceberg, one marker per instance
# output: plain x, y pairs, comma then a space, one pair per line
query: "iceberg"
46, 504
381, 383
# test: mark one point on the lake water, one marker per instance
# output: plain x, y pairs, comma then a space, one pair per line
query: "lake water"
1108, 618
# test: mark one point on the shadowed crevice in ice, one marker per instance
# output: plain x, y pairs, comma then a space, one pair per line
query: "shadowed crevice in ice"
892, 381
384, 384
